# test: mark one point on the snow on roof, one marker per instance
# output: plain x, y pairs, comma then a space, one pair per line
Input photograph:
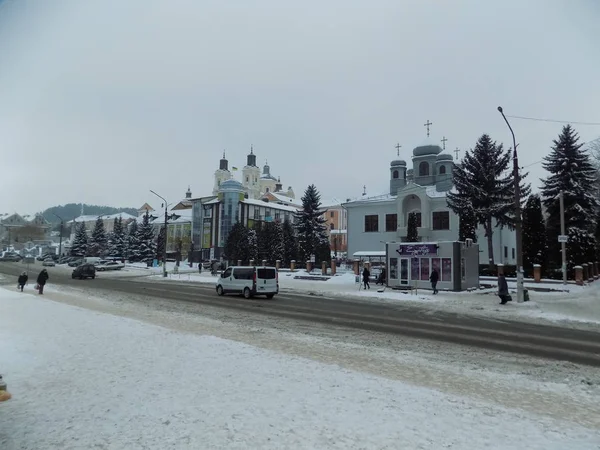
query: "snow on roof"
282, 197
369, 253
212, 202
371, 199
433, 193
90, 218
272, 205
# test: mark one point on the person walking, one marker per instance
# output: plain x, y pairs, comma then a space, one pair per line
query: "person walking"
503, 290
434, 278
41, 280
366, 274
22, 280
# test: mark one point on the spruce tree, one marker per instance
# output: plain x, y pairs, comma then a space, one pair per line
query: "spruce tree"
145, 237
310, 224
277, 246
80, 241
98, 241
116, 245
253, 246
467, 224
236, 247
534, 234
133, 245
571, 172
290, 243
484, 181
412, 233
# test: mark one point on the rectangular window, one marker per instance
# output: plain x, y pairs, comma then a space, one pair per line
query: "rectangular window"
414, 269
331, 214
513, 253
391, 222
372, 223
424, 269
256, 213
441, 220
267, 212
393, 268
265, 274
505, 251
446, 269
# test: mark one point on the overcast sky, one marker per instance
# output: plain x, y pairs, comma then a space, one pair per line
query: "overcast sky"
102, 100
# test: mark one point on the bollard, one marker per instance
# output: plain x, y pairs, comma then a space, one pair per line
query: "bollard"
308, 266
293, 265
585, 271
333, 267
596, 270
323, 267
500, 269
239, 262
537, 273
579, 275
591, 272
264, 262
278, 264
356, 266
252, 262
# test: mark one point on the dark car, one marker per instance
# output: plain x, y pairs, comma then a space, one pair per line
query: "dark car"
84, 271
75, 262
11, 257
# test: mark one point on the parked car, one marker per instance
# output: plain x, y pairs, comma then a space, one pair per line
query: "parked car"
10, 257
84, 271
40, 258
75, 262
48, 262
109, 265
249, 281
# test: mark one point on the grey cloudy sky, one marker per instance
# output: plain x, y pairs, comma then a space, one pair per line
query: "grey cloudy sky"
102, 100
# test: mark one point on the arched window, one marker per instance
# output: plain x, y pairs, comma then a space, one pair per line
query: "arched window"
395, 174
442, 170
423, 169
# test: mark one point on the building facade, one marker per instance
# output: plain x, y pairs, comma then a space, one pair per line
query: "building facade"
422, 189
336, 221
16, 230
90, 222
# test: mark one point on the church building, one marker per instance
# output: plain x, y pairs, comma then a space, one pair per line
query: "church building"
422, 189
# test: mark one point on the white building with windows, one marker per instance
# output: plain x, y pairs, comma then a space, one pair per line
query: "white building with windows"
375, 220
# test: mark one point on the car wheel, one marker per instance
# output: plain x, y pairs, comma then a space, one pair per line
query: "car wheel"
270, 295
73, 276
93, 277
220, 290
247, 293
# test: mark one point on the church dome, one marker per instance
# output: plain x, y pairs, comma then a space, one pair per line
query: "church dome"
427, 148
444, 157
398, 162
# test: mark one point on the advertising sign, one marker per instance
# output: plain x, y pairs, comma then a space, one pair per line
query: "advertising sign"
416, 250
206, 233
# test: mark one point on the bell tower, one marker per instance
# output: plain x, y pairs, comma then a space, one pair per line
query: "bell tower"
251, 176
221, 174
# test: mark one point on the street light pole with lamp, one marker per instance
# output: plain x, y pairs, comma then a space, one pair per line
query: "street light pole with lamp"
167, 217
60, 238
518, 218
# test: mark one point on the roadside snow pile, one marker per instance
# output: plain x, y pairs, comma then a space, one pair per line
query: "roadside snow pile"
82, 379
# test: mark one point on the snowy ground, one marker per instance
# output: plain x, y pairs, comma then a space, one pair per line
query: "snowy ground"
83, 379
577, 306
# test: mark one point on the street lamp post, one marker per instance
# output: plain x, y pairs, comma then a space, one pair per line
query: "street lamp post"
166, 234
60, 237
518, 218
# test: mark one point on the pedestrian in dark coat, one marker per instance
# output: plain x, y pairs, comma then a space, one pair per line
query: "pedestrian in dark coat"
503, 290
434, 278
22, 281
366, 274
200, 267
41, 280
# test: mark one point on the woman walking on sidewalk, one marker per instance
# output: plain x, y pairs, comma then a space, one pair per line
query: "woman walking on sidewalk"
22, 280
41, 280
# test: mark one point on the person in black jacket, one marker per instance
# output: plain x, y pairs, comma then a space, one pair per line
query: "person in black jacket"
434, 278
41, 280
22, 280
365, 276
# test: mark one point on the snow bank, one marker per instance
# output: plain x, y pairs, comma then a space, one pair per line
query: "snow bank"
82, 379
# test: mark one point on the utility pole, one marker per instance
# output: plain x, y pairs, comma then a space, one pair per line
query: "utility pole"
518, 219
173, 217
563, 243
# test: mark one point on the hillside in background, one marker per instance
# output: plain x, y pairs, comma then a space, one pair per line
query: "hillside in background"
73, 210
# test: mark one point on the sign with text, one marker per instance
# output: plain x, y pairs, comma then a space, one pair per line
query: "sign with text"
416, 250
563, 238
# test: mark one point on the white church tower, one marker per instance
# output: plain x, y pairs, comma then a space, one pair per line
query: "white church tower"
251, 176
222, 174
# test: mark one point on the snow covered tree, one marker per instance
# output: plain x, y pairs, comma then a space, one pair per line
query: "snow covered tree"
161, 242
252, 246
80, 241
236, 247
467, 224
98, 241
133, 245
145, 238
310, 225
571, 172
534, 234
290, 243
484, 181
412, 233
116, 242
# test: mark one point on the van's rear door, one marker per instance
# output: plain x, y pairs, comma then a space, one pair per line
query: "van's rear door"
266, 280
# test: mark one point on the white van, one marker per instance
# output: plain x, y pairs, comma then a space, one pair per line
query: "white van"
249, 281
91, 260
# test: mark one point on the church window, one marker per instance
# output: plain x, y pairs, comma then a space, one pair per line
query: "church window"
441, 220
395, 174
391, 222
442, 170
371, 223
423, 169
247, 179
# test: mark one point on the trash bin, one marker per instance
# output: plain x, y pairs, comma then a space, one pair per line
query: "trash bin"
525, 295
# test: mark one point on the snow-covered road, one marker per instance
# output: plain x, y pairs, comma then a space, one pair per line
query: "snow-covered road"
84, 379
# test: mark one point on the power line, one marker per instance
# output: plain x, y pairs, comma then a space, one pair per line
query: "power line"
537, 119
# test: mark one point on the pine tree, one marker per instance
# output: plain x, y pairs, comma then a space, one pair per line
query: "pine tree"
277, 247
597, 236
467, 224
252, 246
571, 172
98, 240
485, 182
534, 234
412, 233
290, 243
236, 247
116, 245
145, 237
310, 224
161, 242
80, 241
133, 245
